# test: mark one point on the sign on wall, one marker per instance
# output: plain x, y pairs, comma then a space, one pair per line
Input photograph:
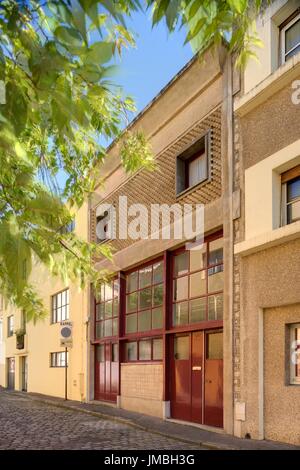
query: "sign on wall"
66, 338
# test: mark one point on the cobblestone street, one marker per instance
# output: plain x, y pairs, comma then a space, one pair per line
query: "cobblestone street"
27, 424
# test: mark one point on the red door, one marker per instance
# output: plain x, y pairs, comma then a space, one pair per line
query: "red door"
106, 371
197, 378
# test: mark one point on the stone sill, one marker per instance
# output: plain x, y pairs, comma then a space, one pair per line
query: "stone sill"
269, 86
267, 240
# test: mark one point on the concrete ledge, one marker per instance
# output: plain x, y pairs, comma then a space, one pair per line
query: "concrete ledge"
272, 84
268, 240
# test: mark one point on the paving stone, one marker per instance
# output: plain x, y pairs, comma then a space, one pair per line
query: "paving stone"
26, 424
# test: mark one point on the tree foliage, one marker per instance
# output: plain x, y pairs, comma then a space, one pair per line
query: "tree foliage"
58, 103
210, 23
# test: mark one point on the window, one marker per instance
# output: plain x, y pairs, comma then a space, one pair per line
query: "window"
60, 306
290, 38
107, 310
59, 359
198, 284
147, 349
10, 325
192, 166
294, 331
290, 196
144, 299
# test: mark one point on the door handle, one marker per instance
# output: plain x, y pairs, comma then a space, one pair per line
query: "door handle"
196, 368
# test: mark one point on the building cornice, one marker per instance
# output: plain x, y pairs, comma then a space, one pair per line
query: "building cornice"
282, 77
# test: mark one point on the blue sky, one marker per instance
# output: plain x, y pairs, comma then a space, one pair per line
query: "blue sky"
158, 56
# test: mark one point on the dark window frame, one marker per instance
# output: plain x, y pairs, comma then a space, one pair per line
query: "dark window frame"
10, 327
138, 341
54, 309
55, 355
139, 333
201, 147
283, 28
287, 178
206, 269
115, 316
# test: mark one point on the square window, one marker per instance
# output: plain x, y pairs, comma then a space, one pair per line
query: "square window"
131, 323
192, 165
290, 38
198, 310
145, 277
181, 313
145, 298
144, 320
158, 272
131, 303
215, 307
181, 288
158, 295
290, 196
157, 318
198, 284
131, 351
157, 349
131, 282
181, 264
145, 350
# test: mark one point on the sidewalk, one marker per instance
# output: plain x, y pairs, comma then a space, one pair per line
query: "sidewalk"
171, 429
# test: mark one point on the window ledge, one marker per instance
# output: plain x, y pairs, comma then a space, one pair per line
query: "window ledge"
281, 77
267, 240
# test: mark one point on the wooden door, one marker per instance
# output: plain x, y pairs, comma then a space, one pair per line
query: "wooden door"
106, 371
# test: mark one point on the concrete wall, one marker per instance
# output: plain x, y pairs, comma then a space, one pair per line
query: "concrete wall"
267, 266
282, 400
270, 283
142, 388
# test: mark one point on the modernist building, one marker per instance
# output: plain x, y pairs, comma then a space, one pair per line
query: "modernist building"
161, 330
267, 245
208, 335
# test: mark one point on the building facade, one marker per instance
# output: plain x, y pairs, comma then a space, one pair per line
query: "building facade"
266, 292
31, 355
202, 331
161, 330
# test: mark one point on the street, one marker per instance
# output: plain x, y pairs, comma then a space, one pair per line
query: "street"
28, 424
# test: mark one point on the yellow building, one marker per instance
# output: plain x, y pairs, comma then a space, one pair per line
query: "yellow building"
31, 356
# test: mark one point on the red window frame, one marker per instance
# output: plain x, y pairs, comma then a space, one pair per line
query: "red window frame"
203, 323
138, 341
137, 333
115, 315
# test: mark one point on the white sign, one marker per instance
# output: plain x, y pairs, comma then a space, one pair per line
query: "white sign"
66, 334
